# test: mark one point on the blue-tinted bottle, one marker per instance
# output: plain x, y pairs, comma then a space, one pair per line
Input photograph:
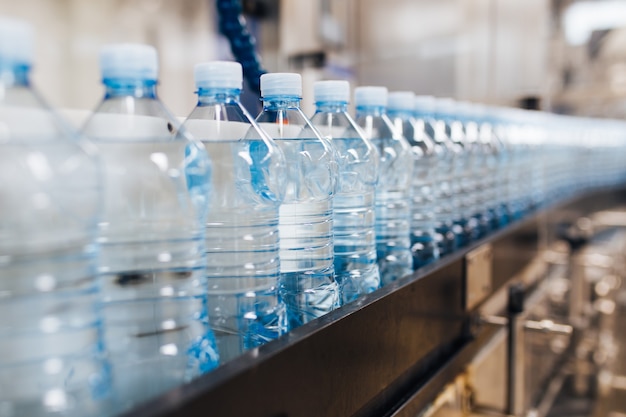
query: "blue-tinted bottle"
496, 185
463, 182
535, 142
393, 192
511, 130
152, 259
51, 361
424, 238
444, 177
508, 173
354, 235
479, 183
307, 284
241, 232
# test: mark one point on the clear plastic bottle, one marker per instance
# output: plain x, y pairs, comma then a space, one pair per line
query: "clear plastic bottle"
463, 183
504, 129
496, 185
308, 284
536, 146
354, 235
393, 193
478, 185
446, 201
512, 125
51, 361
152, 259
424, 238
247, 188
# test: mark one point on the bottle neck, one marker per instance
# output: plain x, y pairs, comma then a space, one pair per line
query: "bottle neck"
14, 75
331, 106
425, 114
281, 102
120, 87
211, 96
400, 114
447, 118
370, 110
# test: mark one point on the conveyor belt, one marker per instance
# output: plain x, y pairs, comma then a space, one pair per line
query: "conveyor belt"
388, 353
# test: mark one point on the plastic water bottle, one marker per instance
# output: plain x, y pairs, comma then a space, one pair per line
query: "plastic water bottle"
463, 183
446, 151
393, 193
152, 260
355, 238
242, 229
536, 140
496, 186
514, 138
478, 185
50, 357
308, 284
424, 238
503, 129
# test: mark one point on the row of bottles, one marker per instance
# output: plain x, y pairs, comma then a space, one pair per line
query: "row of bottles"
102, 271
141, 252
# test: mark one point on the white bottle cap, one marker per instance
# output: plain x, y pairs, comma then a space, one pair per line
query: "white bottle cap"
402, 100
370, 96
464, 109
480, 110
445, 105
281, 84
219, 74
335, 90
129, 60
424, 103
16, 41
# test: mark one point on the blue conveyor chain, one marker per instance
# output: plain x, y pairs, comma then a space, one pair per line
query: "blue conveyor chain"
232, 24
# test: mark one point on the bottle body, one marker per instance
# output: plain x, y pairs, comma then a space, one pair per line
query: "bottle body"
508, 175
307, 284
424, 237
355, 259
393, 194
152, 261
495, 182
242, 239
448, 201
463, 184
479, 181
517, 137
51, 358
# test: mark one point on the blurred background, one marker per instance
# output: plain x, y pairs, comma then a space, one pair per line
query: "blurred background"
560, 55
